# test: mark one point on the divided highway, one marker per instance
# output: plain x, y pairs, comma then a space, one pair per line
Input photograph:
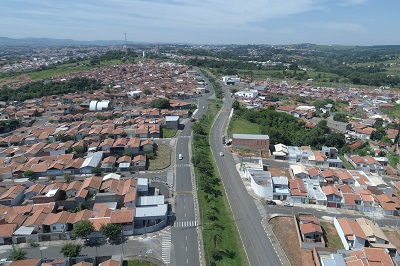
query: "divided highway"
258, 247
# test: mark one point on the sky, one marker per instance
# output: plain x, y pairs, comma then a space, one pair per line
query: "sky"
346, 22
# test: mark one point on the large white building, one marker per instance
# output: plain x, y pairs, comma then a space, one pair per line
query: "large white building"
100, 105
230, 80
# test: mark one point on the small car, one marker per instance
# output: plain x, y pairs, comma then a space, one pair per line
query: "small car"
271, 202
180, 157
288, 204
221, 154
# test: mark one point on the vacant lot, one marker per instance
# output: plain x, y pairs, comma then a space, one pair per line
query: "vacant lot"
394, 237
285, 231
162, 160
242, 126
168, 133
331, 235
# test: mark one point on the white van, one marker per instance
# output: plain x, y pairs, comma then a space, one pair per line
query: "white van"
180, 156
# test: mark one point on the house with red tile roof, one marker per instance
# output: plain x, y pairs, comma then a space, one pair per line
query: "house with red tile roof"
350, 233
33, 191
110, 262
76, 218
365, 163
298, 191
352, 201
389, 204
369, 257
333, 196
56, 222
26, 262
310, 229
13, 195
139, 163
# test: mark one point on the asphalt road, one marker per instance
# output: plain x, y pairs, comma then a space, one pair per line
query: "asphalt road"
257, 245
183, 234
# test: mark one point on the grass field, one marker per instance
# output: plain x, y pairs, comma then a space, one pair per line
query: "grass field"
392, 112
242, 126
138, 263
57, 70
162, 160
331, 235
346, 164
168, 133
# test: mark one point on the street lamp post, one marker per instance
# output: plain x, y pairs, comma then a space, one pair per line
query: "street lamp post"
122, 243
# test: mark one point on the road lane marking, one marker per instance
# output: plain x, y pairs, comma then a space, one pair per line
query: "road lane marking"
166, 247
186, 224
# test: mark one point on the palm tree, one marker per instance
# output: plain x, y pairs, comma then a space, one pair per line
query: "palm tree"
216, 238
211, 216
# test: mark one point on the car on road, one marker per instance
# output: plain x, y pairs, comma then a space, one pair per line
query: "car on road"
204, 107
221, 154
288, 204
180, 157
271, 202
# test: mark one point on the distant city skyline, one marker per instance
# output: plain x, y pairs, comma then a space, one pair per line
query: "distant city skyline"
346, 22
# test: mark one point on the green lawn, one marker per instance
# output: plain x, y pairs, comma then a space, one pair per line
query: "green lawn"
392, 112
162, 160
393, 159
138, 263
168, 133
346, 164
242, 126
69, 68
331, 235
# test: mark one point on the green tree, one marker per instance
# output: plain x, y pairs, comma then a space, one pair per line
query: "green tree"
112, 231
71, 250
378, 134
79, 149
340, 117
83, 229
160, 103
69, 178
236, 105
51, 177
17, 254
146, 91
123, 134
96, 171
28, 173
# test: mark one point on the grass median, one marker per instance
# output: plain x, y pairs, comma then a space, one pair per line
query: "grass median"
222, 243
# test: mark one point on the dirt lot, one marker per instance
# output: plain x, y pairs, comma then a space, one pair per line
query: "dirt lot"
285, 231
394, 237
276, 171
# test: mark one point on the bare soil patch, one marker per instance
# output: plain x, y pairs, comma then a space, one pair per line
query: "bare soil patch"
285, 231
394, 237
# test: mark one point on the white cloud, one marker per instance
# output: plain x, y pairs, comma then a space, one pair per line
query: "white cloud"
338, 26
352, 2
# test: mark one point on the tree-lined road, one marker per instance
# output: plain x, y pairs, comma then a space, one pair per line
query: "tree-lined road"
258, 247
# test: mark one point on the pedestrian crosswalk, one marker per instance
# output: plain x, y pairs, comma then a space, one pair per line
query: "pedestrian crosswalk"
183, 165
166, 247
186, 224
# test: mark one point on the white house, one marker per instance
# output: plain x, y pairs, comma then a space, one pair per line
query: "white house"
261, 182
350, 233
247, 94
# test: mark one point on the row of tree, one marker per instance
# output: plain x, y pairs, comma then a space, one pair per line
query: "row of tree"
39, 89
211, 191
